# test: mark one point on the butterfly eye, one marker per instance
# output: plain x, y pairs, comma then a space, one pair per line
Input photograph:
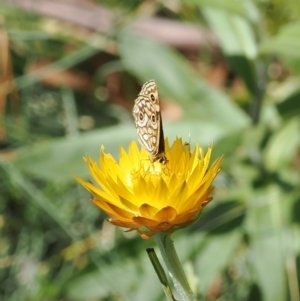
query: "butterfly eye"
152, 97
141, 116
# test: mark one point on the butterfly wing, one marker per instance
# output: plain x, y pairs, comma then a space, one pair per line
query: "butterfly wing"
146, 124
148, 121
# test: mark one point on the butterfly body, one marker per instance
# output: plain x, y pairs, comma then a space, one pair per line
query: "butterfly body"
148, 122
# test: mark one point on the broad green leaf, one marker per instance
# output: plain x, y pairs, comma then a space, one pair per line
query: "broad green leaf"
253, 12
245, 8
246, 69
295, 237
265, 223
231, 6
60, 159
177, 80
234, 33
292, 63
290, 106
129, 279
285, 43
269, 267
255, 293
246, 141
215, 255
224, 217
283, 145
204, 249
202, 132
237, 41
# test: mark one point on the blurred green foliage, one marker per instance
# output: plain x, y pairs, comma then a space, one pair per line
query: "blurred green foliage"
55, 245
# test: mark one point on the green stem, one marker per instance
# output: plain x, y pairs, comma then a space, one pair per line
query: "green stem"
161, 274
174, 267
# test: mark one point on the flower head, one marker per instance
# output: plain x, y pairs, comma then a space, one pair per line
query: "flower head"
151, 197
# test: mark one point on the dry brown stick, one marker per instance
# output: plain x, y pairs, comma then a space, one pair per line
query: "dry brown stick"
7, 84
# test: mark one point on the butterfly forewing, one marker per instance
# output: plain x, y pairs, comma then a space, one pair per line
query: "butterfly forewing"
148, 122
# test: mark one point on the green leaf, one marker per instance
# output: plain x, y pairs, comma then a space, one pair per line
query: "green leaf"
177, 80
231, 6
283, 146
245, 140
246, 69
210, 260
290, 106
63, 63
234, 33
285, 43
202, 132
125, 278
237, 41
61, 159
265, 222
23, 186
268, 265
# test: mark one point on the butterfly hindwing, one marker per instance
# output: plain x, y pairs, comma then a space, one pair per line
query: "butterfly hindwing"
148, 121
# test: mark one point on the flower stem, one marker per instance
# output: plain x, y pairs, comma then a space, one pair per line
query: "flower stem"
174, 266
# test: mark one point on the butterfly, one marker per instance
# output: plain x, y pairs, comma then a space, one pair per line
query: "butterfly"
148, 122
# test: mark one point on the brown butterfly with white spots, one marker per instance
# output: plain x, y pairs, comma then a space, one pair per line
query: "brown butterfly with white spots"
148, 122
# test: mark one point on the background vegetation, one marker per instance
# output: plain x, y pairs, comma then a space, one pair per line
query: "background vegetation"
228, 72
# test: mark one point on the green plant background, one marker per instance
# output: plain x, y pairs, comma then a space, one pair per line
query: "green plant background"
246, 246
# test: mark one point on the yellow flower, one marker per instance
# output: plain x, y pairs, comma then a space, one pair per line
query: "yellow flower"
152, 197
